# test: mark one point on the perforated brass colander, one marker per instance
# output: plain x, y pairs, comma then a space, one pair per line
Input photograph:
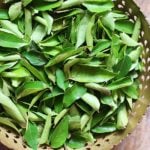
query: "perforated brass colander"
106, 142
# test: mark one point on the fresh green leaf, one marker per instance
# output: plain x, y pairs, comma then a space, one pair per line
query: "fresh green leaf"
91, 100
15, 10
58, 137
124, 26
90, 74
4, 14
128, 40
11, 108
81, 30
31, 135
9, 40
8, 122
61, 80
31, 56
30, 88
72, 94
98, 7
120, 83
122, 117
106, 128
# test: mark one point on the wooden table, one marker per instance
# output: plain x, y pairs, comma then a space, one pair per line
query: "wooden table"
140, 138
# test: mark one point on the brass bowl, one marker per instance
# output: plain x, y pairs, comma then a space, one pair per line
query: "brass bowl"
106, 142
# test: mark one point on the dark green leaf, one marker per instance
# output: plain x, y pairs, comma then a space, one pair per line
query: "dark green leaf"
106, 128
123, 67
132, 91
31, 56
58, 137
4, 14
124, 26
76, 142
33, 70
72, 94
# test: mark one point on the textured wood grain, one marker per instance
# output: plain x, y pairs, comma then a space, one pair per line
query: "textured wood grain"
140, 138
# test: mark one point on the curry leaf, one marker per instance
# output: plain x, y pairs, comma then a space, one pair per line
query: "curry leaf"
72, 94
122, 117
11, 108
81, 30
31, 56
61, 80
58, 137
30, 88
128, 40
91, 100
4, 14
15, 10
106, 128
9, 40
120, 83
85, 74
31, 135
8, 122
124, 26
98, 7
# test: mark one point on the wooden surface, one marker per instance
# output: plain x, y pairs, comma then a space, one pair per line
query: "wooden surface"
140, 138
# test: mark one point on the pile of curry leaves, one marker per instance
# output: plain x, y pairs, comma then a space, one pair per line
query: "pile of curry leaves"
68, 69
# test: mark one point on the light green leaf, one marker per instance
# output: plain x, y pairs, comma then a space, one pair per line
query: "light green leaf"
106, 128
120, 83
11, 108
98, 7
31, 135
124, 26
122, 117
15, 10
8, 122
109, 21
137, 30
46, 130
91, 100
30, 88
11, 27
38, 33
81, 30
9, 40
61, 80
126, 39
90, 74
